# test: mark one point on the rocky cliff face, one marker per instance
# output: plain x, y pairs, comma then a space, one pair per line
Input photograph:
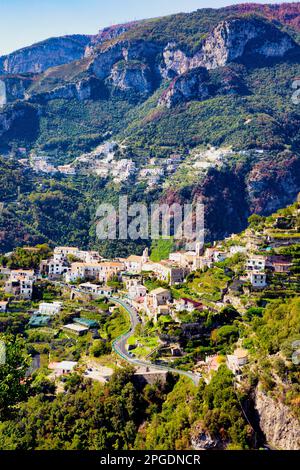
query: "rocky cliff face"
234, 39
281, 430
269, 187
188, 86
140, 65
128, 51
200, 84
85, 89
41, 56
13, 87
108, 34
231, 40
133, 76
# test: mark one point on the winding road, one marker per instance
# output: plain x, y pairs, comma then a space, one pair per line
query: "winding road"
119, 345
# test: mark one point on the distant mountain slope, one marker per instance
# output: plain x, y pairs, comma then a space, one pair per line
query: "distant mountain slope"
180, 84
40, 56
188, 29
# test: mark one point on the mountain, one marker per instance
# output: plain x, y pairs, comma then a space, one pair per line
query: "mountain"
49, 53
212, 86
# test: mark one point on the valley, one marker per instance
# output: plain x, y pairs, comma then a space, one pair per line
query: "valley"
167, 343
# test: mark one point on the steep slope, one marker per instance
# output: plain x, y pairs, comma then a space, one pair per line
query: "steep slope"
176, 85
39, 57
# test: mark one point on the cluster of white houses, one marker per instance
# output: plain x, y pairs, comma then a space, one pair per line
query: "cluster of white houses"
157, 302
75, 264
72, 265
20, 283
258, 265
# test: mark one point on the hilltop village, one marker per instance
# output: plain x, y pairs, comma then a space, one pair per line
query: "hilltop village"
68, 301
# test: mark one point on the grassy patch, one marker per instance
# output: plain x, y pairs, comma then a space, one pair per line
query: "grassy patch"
161, 249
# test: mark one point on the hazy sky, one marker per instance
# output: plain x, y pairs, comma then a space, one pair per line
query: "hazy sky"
23, 22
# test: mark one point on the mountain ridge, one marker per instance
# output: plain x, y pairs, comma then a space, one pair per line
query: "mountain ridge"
157, 94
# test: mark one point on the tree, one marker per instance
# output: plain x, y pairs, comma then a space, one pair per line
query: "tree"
227, 334
255, 220
99, 348
13, 385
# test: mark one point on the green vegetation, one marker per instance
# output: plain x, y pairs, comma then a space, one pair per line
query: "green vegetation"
101, 417
145, 341
13, 388
26, 257
206, 285
253, 114
117, 324
161, 249
187, 412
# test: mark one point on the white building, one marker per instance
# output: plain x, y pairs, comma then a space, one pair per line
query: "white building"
56, 267
130, 280
110, 269
95, 289
157, 302
66, 251
256, 263
15, 274
94, 271
76, 329
166, 270
62, 368
134, 264
237, 249
258, 279
20, 283
190, 260
3, 306
237, 360
50, 308
189, 305
137, 291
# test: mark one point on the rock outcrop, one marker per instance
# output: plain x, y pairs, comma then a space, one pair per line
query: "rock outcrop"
201, 439
186, 87
14, 87
200, 84
231, 40
281, 429
49, 53
85, 89
105, 59
108, 34
270, 187
235, 39
131, 76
